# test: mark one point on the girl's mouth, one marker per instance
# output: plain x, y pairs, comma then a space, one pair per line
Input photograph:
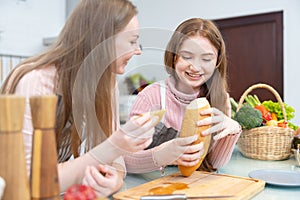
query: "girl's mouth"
193, 76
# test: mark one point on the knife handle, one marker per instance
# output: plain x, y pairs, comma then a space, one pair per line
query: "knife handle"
165, 197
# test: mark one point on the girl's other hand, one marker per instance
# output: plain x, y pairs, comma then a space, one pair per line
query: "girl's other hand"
220, 124
178, 151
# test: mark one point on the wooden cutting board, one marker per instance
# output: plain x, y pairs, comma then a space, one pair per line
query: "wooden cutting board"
198, 184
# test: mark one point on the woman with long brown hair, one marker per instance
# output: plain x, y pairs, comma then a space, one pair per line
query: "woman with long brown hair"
97, 41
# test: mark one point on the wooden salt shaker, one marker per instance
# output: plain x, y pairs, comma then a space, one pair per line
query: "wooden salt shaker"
44, 176
12, 155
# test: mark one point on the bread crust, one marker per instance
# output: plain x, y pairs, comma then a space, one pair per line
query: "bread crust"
158, 113
189, 128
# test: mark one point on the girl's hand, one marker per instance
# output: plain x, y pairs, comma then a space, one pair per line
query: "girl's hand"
105, 180
178, 151
220, 124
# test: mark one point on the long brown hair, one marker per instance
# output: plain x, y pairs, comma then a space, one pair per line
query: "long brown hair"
216, 87
88, 33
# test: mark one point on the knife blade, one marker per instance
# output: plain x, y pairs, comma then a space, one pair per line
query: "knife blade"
182, 197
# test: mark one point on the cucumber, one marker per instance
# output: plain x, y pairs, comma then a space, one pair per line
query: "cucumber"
234, 104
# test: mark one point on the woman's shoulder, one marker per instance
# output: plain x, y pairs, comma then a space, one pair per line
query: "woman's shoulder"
45, 71
38, 81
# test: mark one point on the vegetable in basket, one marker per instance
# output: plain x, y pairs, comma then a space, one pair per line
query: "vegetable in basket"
234, 106
265, 113
248, 117
274, 107
255, 102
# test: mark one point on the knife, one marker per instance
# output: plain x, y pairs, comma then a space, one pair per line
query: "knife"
181, 197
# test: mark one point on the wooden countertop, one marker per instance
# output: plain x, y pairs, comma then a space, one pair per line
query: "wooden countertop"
238, 166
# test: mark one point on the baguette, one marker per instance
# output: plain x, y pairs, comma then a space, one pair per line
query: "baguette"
158, 113
189, 128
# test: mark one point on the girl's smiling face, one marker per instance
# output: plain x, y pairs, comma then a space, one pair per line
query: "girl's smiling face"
195, 64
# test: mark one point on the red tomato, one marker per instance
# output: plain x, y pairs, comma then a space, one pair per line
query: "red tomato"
283, 124
80, 192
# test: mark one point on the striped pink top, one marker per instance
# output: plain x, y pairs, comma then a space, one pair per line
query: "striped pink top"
175, 103
34, 83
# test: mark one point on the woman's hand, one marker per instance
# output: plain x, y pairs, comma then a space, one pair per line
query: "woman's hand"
220, 124
105, 180
178, 151
136, 134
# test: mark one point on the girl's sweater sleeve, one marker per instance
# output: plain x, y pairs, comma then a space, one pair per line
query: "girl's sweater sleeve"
221, 151
147, 100
140, 162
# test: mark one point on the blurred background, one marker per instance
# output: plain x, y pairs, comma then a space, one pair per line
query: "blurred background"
261, 36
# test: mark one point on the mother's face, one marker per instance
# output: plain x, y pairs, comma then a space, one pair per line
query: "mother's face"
127, 45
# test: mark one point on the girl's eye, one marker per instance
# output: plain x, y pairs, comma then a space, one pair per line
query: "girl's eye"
133, 42
206, 60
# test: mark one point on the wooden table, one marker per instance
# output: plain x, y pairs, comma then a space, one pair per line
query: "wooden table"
239, 166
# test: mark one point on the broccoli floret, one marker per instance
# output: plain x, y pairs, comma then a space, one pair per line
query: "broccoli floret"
248, 117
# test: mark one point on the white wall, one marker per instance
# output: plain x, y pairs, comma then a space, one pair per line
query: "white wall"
24, 23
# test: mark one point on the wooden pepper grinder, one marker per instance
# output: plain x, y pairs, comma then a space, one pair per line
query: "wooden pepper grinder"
44, 176
12, 155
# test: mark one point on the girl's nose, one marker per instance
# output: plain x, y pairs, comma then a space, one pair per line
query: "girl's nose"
194, 67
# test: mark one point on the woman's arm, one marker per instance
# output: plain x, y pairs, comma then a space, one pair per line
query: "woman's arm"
142, 161
72, 172
124, 141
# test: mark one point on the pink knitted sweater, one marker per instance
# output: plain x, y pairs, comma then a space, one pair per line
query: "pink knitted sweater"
175, 102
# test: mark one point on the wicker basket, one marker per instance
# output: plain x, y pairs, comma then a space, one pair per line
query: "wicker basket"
265, 142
